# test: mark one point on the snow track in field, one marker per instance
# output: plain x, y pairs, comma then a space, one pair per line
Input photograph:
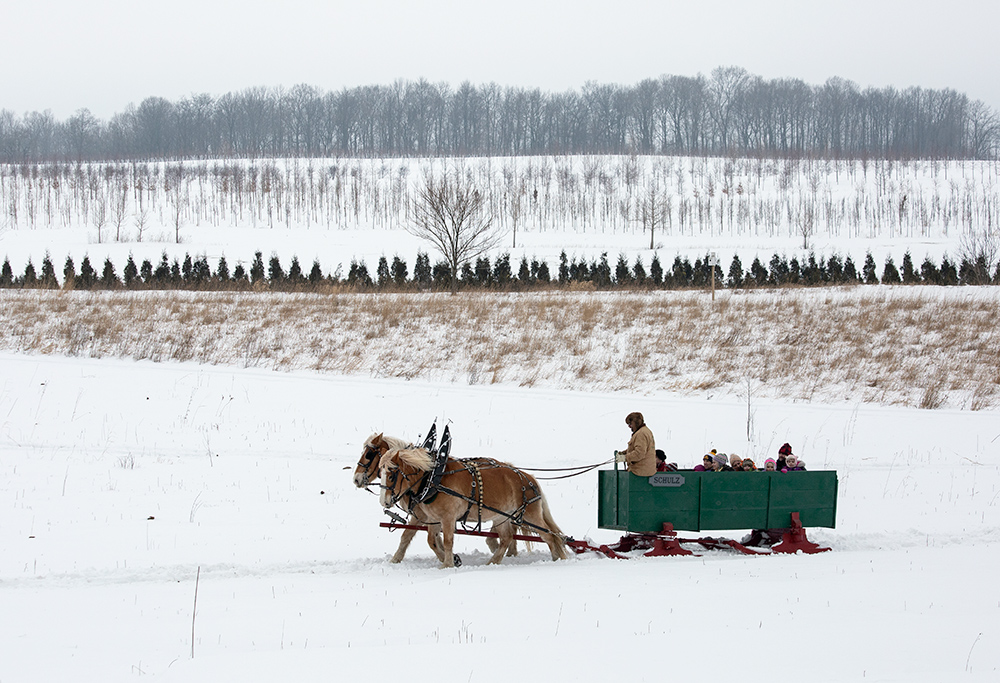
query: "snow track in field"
250, 498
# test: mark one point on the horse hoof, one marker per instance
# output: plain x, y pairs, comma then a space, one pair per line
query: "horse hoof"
457, 560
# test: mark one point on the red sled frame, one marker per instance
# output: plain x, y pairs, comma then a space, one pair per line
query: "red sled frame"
664, 544
667, 543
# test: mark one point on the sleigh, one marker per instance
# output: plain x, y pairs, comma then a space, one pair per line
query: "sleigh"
776, 505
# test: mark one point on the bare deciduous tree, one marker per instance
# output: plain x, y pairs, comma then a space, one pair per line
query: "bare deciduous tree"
100, 218
141, 219
515, 207
652, 210
119, 207
454, 216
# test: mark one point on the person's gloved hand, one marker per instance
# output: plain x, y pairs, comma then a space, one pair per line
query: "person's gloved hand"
619, 456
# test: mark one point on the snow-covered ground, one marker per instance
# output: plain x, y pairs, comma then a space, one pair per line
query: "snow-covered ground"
127, 486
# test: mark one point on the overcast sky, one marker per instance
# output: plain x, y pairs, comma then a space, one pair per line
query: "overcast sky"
64, 55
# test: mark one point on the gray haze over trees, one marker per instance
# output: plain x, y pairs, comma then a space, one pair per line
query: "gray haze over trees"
730, 112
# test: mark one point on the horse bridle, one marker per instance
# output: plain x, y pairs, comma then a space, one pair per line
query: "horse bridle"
390, 480
369, 456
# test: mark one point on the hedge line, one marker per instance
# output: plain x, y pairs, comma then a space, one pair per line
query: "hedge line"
197, 274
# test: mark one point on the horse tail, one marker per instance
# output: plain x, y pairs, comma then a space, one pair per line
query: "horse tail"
550, 524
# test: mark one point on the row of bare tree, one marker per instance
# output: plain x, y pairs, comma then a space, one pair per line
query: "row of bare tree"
659, 196
730, 112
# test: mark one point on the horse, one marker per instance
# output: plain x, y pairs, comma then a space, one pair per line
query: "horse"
367, 472
481, 490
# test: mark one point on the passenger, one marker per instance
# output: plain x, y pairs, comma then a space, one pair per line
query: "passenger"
720, 463
736, 462
748, 465
706, 464
770, 465
661, 462
639, 456
783, 452
793, 464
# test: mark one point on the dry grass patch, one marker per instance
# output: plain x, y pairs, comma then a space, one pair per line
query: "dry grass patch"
850, 344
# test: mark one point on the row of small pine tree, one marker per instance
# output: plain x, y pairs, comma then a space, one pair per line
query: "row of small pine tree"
197, 274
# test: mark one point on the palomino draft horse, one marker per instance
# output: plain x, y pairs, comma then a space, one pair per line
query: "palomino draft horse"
367, 472
471, 492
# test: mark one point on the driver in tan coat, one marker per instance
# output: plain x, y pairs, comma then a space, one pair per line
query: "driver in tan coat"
640, 455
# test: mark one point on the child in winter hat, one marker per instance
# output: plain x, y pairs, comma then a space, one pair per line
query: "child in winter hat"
770, 465
793, 464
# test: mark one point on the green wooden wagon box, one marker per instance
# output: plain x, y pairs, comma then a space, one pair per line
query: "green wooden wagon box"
696, 501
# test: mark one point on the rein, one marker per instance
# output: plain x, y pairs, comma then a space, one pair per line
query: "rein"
576, 471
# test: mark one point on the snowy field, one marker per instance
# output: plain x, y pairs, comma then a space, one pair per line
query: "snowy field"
125, 486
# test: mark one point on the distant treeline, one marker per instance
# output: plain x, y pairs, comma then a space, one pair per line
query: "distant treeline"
394, 276
731, 112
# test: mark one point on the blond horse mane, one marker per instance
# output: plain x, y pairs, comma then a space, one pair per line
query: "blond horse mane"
417, 458
394, 442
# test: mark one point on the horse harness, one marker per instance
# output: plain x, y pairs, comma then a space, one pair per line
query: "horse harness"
430, 486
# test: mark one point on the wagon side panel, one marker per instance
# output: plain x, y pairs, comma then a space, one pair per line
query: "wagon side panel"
612, 508
734, 501
812, 494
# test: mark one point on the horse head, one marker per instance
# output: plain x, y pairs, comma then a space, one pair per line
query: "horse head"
367, 469
401, 471
374, 448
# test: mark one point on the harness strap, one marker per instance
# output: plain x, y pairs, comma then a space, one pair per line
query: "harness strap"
474, 466
477, 491
511, 517
476, 498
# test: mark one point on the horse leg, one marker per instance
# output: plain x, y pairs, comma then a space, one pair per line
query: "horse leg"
433, 540
404, 542
493, 544
512, 550
448, 543
556, 546
506, 532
